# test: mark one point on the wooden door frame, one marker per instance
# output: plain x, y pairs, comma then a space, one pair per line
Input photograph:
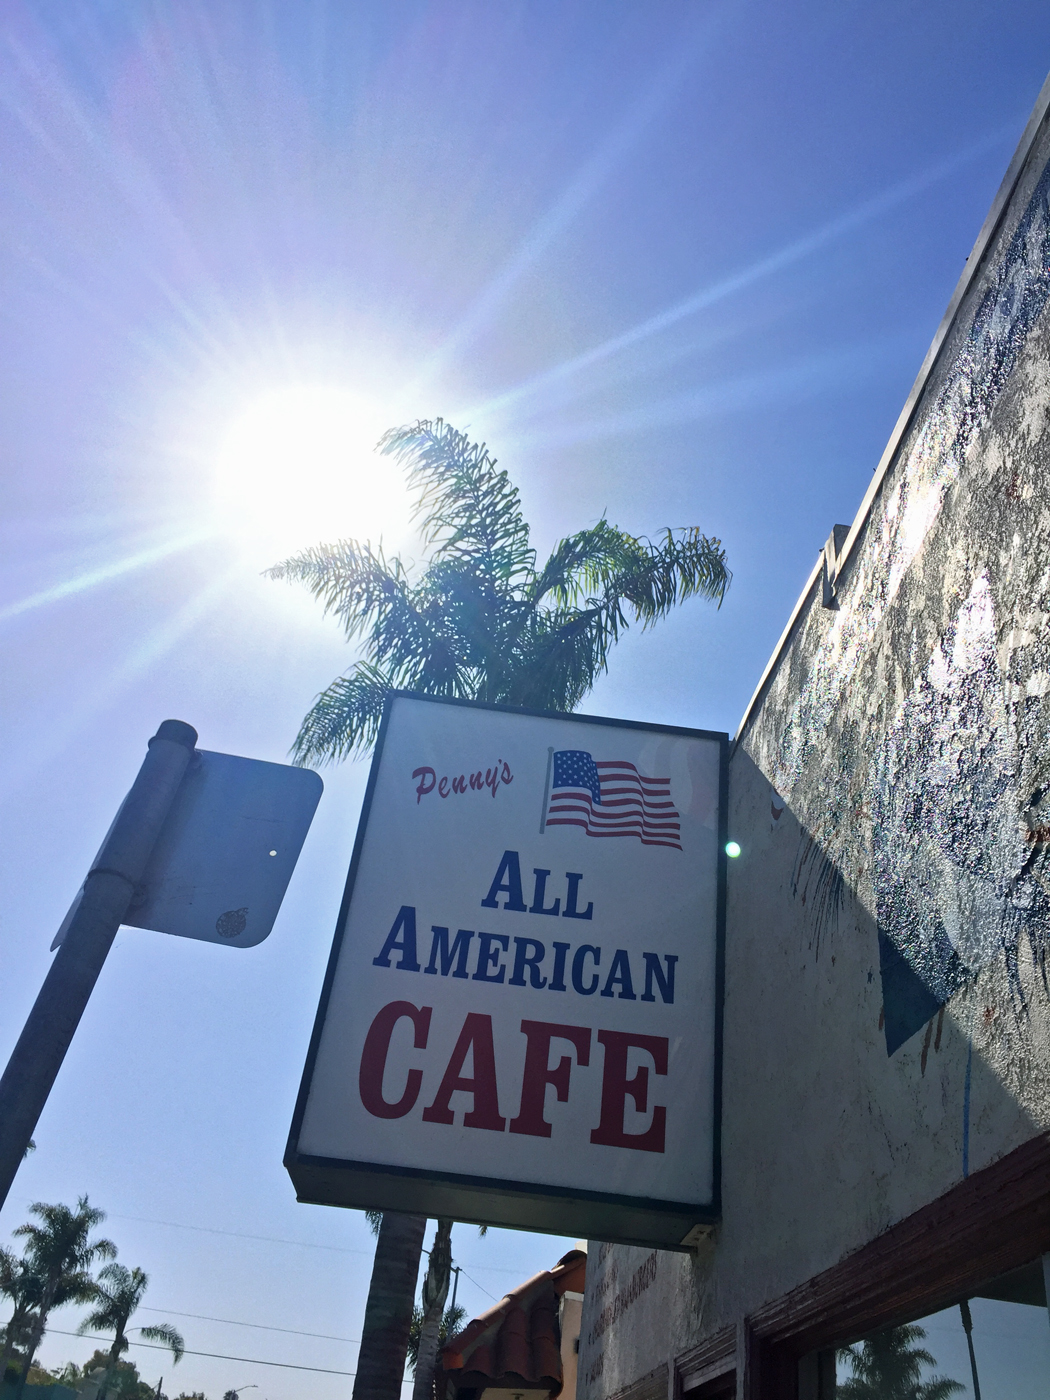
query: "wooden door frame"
705, 1367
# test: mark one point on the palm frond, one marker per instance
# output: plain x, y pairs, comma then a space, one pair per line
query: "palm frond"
687, 564
353, 581
168, 1336
94, 1322
76, 1287
465, 506
888, 1365
602, 579
585, 563
479, 622
419, 644
344, 717
60, 1243
476, 626
451, 1322
21, 1282
939, 1388
558, 659
407, 633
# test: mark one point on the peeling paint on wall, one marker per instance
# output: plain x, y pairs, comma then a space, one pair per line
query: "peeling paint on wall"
954, 878
934, 833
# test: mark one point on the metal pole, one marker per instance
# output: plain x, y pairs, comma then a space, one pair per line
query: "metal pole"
455, 1286
107, 892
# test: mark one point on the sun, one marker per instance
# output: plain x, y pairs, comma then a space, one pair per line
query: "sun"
297, 466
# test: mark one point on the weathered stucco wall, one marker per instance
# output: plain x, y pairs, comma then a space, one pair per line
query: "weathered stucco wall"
887, 1006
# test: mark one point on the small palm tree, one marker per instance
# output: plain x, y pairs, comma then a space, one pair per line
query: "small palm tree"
482, 622
888, 1365
451, 1322
435, 1291
118, 1293
61, 1254
20, 1282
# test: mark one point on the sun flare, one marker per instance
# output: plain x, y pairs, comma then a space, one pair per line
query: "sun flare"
297, 466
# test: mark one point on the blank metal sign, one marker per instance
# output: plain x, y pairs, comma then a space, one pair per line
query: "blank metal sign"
223, 860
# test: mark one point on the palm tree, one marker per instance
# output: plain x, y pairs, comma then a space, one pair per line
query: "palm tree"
480, 622
888, 1365
435, 1291
451, 1322
21, 1283
388, 1310
118, 1293
440, 1269
61, 1254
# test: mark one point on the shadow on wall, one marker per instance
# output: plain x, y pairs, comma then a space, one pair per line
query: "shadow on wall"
854, 1092
919, 1004
958, 844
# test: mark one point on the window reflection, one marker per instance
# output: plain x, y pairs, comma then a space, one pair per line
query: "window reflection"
994, 1345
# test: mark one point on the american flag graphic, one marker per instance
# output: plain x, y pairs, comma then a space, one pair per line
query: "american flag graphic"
609, 797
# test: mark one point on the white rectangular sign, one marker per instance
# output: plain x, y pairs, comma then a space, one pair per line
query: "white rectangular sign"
520, 1023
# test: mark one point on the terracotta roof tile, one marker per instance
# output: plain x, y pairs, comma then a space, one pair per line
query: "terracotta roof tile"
517, 1342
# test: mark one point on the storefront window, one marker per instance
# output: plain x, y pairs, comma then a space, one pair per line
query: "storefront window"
1002, 1334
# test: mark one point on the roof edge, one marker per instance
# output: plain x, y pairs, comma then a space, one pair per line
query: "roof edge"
472, 1334
451, 1356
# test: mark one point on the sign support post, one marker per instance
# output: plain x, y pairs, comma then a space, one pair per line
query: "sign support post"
107, 893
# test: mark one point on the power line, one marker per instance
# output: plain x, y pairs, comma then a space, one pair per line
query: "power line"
294, 1331
290, 1331
496, 1269
262, 1326
272, 1239
215, 1355
485, 1290
299, 1244
237, 1235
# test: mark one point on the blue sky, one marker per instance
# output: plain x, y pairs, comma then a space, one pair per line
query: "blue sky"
677, 261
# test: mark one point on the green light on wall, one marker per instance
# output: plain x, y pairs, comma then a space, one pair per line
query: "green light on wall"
732, 850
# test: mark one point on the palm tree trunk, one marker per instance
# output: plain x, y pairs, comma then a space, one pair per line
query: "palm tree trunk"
114, 1352
429, 1336
10, 1332
435, 1291
388, 1312
34, 1341
13, 1328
